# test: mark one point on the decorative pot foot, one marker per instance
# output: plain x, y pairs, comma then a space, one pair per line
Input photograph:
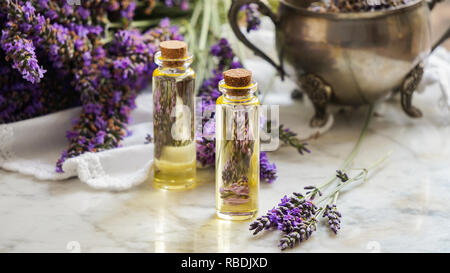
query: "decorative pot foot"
407, 89
320, 94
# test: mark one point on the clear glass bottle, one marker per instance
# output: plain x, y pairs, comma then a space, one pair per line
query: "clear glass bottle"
173, 118
237, 150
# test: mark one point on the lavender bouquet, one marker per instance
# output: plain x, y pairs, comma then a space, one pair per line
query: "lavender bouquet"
297, 216
99, 54
55, 55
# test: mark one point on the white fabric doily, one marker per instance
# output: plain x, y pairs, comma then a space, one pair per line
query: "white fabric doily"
33, 146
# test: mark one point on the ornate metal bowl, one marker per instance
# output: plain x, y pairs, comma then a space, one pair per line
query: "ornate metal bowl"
349, 58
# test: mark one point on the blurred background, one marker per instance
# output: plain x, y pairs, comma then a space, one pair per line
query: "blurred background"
440, 20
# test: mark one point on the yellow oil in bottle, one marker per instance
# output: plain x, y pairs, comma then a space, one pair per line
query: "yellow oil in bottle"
174, 166
237, 157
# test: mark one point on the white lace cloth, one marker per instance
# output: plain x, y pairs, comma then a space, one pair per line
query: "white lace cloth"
437, 72
33, 146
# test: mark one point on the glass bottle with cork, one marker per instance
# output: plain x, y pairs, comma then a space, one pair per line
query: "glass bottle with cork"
173, 118
237, 146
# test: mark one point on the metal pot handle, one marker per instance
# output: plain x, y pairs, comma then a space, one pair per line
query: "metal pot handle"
432, 3
233, 16
414, 77
442, 39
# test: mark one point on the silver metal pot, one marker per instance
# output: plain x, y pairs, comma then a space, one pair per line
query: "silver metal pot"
349, 58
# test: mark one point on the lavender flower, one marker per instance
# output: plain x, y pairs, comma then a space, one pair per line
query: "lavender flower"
299, 233
225, 60
334, 217
148, 139
128, 9
295, 216
21, 99
103, 78
289, 137
268, 171
342, 176
183, 4
21, 53
290, 213
253, 16
206, 152
313, 191
226, 57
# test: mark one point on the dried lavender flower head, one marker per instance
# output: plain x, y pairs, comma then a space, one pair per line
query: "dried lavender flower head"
252, 15
342, 175
336, 6
44, 43
334, 218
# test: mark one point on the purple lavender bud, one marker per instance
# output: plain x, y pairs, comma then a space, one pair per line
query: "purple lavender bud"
342, 176
252, 16
21, 53
267, 170
333, 217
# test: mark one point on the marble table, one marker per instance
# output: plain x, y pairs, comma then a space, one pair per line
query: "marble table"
403, 207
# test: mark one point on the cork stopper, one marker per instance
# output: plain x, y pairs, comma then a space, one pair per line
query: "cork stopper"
173, 49
238, 78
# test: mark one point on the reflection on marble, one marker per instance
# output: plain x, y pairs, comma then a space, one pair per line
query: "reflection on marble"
403, 207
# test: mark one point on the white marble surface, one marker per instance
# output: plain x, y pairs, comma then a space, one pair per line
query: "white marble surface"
404, 207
